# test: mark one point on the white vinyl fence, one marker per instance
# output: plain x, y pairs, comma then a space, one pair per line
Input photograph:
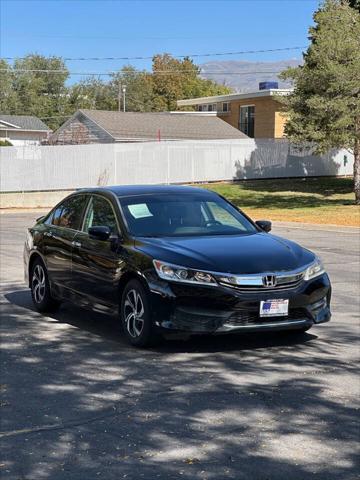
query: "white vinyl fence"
44, 168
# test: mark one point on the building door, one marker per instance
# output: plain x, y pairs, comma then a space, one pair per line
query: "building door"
247, 120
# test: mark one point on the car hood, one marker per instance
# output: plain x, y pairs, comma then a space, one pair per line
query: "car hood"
248, 254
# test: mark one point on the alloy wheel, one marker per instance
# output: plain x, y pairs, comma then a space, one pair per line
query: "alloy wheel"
134, 313
39, 283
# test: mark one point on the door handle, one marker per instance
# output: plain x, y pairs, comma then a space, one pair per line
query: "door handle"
76, 244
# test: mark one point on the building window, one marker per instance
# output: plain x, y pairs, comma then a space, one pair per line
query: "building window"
225, 107
211, 107
200, 108
247, 120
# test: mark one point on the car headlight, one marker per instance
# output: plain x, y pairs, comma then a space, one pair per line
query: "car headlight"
314, 270
167, 271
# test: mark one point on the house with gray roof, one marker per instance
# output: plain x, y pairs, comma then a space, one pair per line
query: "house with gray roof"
100, 126
22, 130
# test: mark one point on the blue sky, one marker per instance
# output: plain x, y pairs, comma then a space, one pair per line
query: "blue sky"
102, 28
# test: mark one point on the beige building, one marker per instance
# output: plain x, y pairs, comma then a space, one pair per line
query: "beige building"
258, 114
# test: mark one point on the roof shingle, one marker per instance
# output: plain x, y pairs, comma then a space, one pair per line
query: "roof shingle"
25, 122
170, 126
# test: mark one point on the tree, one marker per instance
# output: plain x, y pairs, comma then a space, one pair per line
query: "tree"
8, 96
170, 80
355, 4
36, 85
139, 89
324, 108
176, 79
91, 93
5, 143
31, 87
40, 90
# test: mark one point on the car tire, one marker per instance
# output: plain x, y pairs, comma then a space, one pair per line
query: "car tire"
135, 315
40, 288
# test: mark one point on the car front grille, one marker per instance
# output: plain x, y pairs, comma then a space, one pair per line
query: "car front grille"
288, 282
243, 317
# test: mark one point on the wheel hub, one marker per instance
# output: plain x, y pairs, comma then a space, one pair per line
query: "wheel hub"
38, 284
133, 313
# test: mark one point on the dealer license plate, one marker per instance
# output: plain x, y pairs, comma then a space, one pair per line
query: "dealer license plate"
274, 308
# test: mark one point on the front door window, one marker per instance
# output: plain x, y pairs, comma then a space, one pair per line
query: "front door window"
100, 213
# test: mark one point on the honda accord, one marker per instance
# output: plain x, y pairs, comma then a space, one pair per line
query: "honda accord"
172, 258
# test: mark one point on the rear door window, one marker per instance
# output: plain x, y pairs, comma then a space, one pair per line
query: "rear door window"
69, 213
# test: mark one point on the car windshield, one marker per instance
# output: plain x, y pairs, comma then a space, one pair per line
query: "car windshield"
164, 215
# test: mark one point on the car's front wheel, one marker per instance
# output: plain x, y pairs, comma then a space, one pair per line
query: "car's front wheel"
40, 288
135, 315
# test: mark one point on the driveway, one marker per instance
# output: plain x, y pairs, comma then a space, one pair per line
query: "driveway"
79, 403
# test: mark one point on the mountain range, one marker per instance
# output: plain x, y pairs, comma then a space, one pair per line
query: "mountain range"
244, 76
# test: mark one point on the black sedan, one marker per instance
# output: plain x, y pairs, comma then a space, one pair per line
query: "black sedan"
172, 258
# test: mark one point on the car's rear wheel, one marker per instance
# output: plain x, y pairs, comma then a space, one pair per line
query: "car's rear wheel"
40, 288
135, 315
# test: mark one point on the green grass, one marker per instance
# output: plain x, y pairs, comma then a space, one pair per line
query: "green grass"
325, 200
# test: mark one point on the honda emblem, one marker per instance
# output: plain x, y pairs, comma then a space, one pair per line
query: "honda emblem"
269, 281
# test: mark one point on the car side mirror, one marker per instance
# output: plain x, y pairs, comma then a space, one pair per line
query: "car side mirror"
99, 232
264, 225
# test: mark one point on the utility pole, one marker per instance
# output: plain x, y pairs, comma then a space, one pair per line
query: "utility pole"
119, 97
124, 97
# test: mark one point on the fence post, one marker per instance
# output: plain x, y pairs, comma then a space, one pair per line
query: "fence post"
168, 163
193, 150
115, 165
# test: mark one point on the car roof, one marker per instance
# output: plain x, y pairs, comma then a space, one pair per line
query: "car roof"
129, 190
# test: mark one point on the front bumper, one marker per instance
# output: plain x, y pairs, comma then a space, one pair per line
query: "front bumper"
221, 309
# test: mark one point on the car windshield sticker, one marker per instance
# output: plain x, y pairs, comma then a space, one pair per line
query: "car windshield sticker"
139, 210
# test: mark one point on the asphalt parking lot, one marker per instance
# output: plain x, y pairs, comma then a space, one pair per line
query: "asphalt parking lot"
79, 403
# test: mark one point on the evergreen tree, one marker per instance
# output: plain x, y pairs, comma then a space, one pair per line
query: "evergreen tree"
325, 106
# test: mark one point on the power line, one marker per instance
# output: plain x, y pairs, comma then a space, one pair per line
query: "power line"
121, 72
193, 55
